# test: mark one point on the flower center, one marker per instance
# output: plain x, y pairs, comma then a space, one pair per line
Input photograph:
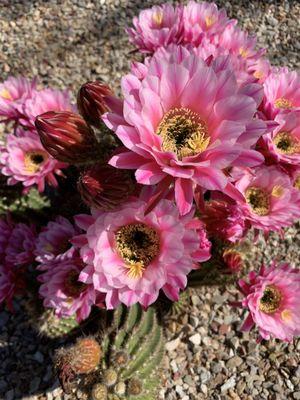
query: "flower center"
210, 20
258, 74
183, 132
5, 94
258, 200
283, 103
157, 17
286, 143
270, 300
243, 52
33, 160
72, 286
138, 244
297, 183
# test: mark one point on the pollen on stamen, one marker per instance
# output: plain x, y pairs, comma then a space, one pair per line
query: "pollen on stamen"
33, 160
183, 132
270, 300
137, 244
243, 52
283, 103
210, 20
258, 200
286, 143
157, 17
5, 94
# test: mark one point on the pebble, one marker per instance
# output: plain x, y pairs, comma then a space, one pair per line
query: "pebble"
195, 339
229, 384
234, 362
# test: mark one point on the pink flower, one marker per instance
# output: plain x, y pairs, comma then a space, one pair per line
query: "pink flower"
43, 101
156, 27
272, 297
239, 43
11, 283
269, 201
282, 92
260, 69
131, 256
203, 19
283, 143
54, 240
61, 289
13, 93
21, 245
173, 130
224, 220
23, 159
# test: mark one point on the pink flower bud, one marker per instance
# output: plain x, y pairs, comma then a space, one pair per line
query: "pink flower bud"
91, 101
67, 137
105, 187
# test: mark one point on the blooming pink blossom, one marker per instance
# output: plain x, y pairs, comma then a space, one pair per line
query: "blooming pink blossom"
54, 240
21, 245
13, 93
203, 20
131, 256
272, 298
42, 101
260, 69
281, 92
157, 27
61, 289
187, 121
238, 42
269, 201
224, 220
23, 159
283, 143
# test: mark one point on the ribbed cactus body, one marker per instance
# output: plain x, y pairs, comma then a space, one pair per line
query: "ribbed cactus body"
132, 348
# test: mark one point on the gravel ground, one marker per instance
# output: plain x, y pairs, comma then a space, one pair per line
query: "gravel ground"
66, 43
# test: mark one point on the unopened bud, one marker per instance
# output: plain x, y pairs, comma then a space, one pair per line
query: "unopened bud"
67, 137
105, 187
92, 101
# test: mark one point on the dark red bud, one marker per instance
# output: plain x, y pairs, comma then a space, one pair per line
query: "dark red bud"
67, 137
92, 101
105, 187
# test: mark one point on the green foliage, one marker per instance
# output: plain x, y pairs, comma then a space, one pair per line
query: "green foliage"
11, 200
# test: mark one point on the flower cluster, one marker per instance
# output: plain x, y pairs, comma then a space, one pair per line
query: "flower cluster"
23, 158
203, 146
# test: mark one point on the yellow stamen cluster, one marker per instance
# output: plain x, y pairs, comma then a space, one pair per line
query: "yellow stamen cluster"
210, 20
258, 74
33, 160
258, 200
286, 315
297, 183
270, 301
183, 132
138, 244
5, 94
243, 52
286, 143
158, 17
283, 103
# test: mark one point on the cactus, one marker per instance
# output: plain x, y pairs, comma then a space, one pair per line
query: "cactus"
132, 350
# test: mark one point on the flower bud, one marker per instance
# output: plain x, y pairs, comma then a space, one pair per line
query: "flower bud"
91, 101
233, 260
105, 187
67, 137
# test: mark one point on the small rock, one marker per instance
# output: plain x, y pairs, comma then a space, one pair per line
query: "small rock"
234, 362
172, 344
195, 339
296, 395
229, 384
